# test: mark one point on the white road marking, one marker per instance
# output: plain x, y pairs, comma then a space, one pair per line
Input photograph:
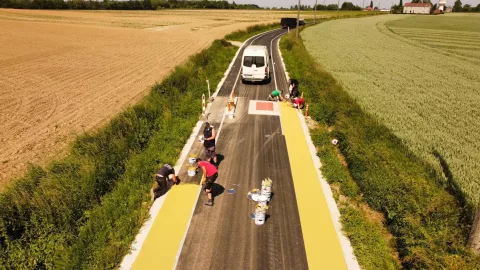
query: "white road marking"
273, 64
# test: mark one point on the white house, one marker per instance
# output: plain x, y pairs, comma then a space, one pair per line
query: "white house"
417, 8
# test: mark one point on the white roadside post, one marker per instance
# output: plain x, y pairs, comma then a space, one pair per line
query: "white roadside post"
208, 85
204, 108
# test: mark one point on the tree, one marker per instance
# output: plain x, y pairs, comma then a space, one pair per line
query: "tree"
347, 6
467, 8
332, 7
457, 7
433, 8
401, 3
371, 4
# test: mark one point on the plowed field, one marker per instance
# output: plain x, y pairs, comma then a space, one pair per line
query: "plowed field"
65, 72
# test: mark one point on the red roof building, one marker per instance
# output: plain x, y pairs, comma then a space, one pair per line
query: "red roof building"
417, 8
417, 5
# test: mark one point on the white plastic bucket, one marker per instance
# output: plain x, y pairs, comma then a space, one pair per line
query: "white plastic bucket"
267, 192
192, 160
262, 199
259, 218
192, 172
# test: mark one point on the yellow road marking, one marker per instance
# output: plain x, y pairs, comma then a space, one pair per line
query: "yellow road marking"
159, 250
319, 235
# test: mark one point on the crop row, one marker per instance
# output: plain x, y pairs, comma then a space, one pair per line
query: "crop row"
461, 43
427, 100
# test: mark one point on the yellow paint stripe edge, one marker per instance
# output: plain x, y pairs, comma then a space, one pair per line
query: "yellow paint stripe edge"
322, 245
159, 251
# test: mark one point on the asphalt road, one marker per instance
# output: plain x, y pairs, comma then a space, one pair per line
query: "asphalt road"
251, 148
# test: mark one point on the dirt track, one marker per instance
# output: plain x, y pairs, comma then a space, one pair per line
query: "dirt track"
65, 72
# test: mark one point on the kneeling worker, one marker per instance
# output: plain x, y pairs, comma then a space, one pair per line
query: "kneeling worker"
276, 95
298, 103
162, 178
210, 174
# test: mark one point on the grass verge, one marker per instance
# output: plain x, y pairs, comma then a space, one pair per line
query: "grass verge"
371, 166
84, 211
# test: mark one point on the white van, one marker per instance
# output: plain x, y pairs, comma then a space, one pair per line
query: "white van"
255, 66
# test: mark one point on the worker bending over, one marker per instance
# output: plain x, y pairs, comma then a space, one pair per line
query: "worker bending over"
210, 174
276, 95
163, 181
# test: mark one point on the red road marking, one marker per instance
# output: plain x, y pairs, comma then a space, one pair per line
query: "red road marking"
264, 106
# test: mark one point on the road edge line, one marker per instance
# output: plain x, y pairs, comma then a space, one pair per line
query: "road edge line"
350, 258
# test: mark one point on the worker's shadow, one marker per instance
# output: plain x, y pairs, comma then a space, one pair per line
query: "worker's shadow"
220, 158
217, 190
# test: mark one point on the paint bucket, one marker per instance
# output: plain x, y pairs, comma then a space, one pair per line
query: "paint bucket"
267, 192
192, 158
262, 199
259, 218
200, 139
260, 213
192, 171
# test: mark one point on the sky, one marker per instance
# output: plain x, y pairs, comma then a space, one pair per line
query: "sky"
383, 3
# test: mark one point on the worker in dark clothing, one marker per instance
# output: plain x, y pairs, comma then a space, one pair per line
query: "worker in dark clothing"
293, 88
210, 174
163, 181
209, 136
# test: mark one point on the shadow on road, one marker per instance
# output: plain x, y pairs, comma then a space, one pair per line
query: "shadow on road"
220, 158
217, 190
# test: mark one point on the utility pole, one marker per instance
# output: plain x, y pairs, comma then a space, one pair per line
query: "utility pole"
338, 6
315, 14
298, 17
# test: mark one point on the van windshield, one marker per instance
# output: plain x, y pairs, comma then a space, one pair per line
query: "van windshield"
258, 61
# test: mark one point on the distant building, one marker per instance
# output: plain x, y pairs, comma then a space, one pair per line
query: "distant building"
368, 9
448, 9
417, 8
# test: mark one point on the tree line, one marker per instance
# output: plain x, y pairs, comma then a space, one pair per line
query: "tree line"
123, 5
344, 6
458, 7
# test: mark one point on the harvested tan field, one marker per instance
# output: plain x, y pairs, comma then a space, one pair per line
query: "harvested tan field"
65, 72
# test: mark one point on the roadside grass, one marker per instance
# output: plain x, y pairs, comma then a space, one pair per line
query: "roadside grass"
84, 211
429, 226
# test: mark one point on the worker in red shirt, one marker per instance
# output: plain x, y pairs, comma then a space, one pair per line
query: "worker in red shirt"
210, 174
298, 102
